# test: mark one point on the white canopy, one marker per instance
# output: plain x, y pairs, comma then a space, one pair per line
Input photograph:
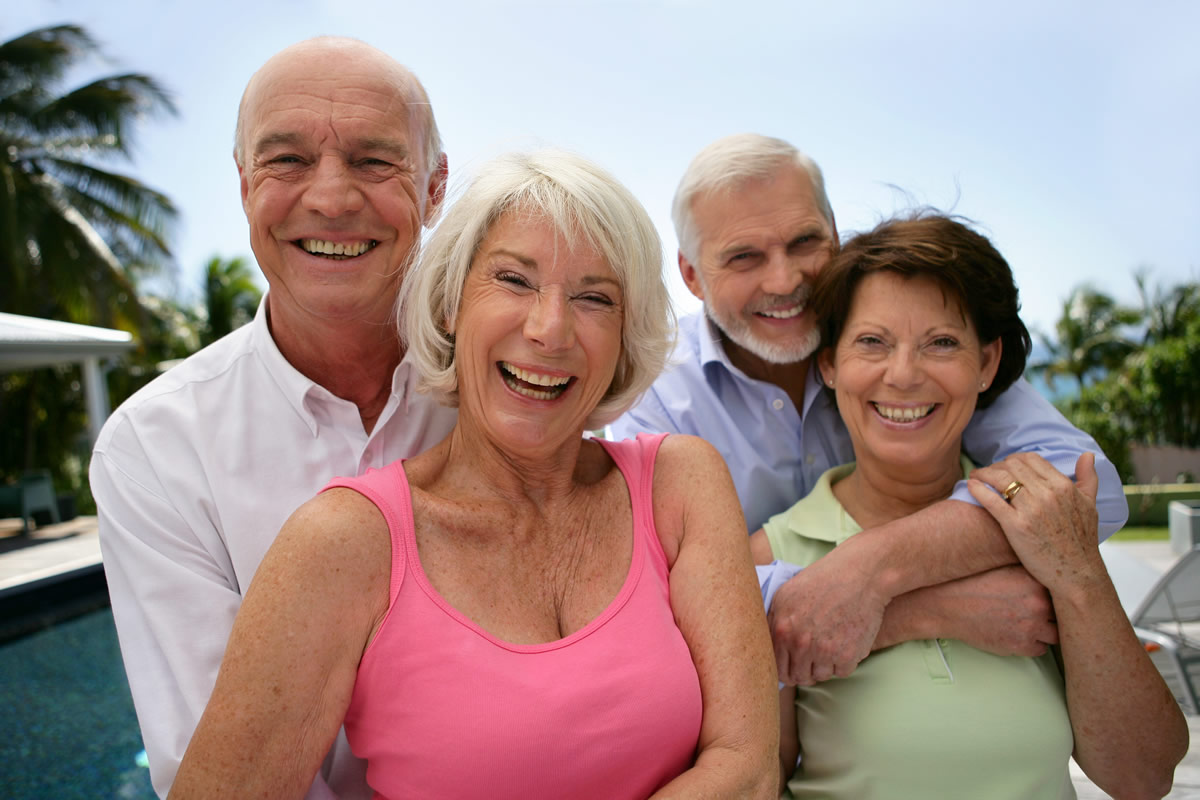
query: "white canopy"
29, 343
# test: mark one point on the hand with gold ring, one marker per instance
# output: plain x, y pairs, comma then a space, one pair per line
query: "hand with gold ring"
1053, 530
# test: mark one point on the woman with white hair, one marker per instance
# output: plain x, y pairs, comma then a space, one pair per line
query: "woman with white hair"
520, 611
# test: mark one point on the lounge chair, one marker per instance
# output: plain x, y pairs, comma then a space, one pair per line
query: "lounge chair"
34, 492
1166, 622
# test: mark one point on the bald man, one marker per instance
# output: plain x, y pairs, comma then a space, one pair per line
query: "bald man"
340, 165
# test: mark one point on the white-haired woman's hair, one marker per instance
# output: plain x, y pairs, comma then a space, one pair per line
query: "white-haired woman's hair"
729, 162
585, 205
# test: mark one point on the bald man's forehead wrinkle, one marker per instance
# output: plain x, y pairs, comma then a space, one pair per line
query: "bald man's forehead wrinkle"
336, 70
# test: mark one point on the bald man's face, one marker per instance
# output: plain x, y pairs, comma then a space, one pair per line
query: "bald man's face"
334, 184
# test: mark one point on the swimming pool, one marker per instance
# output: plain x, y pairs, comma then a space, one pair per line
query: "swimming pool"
67, 729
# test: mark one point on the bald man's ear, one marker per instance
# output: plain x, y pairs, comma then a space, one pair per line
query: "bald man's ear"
691, 277
437, 189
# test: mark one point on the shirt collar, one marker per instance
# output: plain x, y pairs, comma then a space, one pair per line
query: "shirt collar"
712, 351
810, 517
305, 394
291, 382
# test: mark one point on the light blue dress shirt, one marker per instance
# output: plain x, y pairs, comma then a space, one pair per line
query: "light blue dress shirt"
776, 454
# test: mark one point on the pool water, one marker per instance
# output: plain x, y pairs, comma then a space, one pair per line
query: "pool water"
67, 726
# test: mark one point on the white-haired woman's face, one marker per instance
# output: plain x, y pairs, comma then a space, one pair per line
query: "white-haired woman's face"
907, 371
537, 335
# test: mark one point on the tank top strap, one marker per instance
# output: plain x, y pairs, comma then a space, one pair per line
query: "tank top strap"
635, 458
388, 489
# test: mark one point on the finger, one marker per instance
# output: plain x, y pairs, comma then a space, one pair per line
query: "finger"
1086, 479
782, 660
992, 502
800, 673
995, 475
1036, 470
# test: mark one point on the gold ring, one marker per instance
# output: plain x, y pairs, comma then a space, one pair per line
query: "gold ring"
1012, 489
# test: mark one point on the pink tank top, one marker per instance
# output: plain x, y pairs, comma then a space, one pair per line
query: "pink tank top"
442, 709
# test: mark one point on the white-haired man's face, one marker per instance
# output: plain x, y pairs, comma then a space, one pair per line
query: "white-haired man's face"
761, 245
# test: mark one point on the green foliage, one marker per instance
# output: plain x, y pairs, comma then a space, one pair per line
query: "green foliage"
1152, 395
1090, 337
47, 407
75, 237
230, 297
1143, 533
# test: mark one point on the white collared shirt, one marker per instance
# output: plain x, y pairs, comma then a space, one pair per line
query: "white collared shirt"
194, 475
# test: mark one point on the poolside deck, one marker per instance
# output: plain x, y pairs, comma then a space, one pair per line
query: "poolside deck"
55, 554
46, 554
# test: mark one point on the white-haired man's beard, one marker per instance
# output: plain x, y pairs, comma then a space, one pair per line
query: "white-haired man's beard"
738, 330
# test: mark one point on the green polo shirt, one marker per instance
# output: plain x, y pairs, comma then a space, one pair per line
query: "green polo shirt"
923, 719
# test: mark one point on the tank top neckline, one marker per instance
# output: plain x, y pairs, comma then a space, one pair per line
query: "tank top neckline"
636, 562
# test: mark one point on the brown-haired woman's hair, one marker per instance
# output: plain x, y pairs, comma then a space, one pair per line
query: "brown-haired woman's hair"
963, 262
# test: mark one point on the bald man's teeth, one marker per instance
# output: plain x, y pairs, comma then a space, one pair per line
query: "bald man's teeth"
906, 414
321, 247
533, 384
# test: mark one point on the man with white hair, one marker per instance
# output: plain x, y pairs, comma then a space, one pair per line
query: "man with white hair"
341, 165
755, 227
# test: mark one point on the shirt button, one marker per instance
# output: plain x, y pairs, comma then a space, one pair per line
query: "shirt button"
810, 458
777, 404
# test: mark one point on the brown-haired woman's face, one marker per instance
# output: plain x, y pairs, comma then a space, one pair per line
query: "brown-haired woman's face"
907, 371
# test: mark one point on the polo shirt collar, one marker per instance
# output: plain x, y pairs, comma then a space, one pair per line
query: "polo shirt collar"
810, 519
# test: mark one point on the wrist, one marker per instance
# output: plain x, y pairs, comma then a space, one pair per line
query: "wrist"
1081, 590
909, 617
866, 556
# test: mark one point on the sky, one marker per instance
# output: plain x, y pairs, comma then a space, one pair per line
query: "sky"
1067, 130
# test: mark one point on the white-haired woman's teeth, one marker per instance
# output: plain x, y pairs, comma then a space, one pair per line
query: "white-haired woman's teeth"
906, 414
327, 248
786, 313
533, 377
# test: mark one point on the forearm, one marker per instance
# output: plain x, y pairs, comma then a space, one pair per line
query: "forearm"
944, 542
724, 772
1003, 611
907, 618
1129, 731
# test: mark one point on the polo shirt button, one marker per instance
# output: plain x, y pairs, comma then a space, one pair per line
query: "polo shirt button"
777, 403
810, 458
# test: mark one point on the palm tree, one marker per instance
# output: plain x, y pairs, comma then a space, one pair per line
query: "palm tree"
1090, 337
230, 297
73, 235
1166, 313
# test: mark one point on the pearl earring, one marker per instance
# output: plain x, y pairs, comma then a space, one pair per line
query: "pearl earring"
982, 385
